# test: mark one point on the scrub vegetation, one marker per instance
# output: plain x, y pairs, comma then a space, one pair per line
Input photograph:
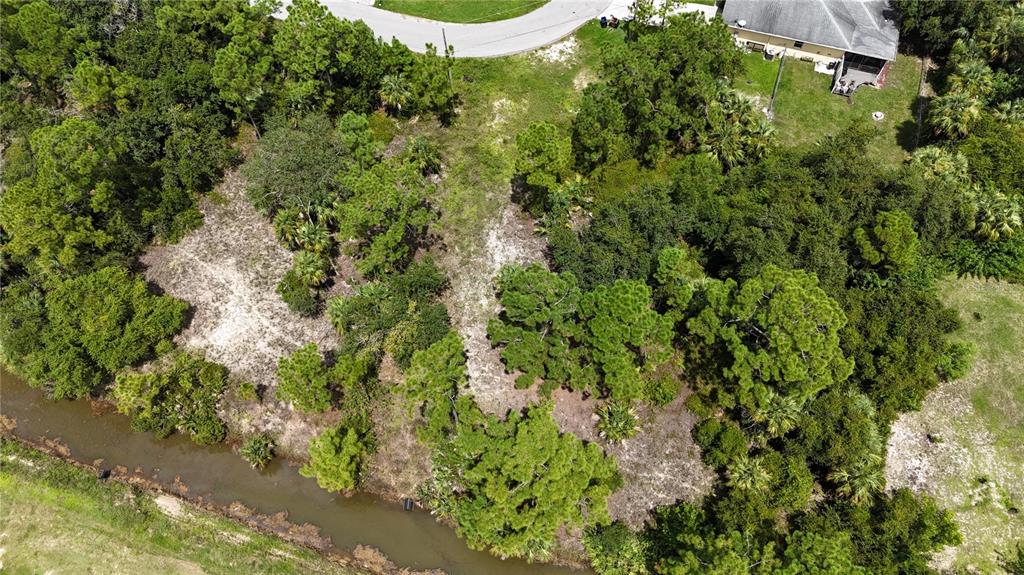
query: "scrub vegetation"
610, 310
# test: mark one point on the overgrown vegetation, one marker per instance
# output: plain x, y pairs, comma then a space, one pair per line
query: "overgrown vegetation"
181, 393
510, 484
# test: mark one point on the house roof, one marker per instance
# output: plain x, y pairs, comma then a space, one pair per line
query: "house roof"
865, 27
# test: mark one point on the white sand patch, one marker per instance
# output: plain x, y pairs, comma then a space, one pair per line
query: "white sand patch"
169, 506
471, 302
228, 271
561, 52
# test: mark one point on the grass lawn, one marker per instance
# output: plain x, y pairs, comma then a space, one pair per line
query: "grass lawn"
462, 10
60, 519
806, 109
500, 97
975, 465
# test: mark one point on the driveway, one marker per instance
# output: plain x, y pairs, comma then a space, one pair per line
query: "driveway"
545, 25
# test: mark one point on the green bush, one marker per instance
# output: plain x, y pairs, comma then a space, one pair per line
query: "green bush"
400, 315
297, 295
617, 421
615, 550
511, 485
180, 394
258, 450
304, 381
721, 441
336, 458
247, 391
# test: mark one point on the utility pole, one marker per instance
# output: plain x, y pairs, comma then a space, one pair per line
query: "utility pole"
451, 84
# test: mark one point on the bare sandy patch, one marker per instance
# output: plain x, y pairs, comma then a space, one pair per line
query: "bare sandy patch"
508, 239
583, 78
228, 270
562, 52
169, 506
659, 465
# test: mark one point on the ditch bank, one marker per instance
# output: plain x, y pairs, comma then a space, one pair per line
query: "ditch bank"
365, 531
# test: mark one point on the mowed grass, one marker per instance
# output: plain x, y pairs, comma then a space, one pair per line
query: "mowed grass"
981, 425
57, 518
806, 109
993, 316
464, 11
500, 97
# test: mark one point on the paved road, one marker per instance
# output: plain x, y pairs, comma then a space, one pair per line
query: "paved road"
545, 25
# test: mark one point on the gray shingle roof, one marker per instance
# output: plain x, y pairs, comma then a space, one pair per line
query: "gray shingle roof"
865, 27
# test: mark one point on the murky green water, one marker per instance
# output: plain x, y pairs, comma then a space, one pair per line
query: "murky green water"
409, 538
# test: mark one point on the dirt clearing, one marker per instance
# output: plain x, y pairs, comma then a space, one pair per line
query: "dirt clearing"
659, 465
508, 239
964, 447
228, 270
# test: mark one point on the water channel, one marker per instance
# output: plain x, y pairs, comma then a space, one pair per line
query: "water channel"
409, 538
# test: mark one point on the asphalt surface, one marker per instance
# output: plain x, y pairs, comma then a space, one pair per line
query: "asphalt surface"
545, 25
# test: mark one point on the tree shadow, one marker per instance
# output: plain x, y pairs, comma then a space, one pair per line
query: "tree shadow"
911, 135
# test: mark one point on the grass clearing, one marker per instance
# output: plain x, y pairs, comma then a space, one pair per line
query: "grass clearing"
58, 518
462, 11
974, 463
806, 109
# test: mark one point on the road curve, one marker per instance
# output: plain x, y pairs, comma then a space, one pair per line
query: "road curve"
545, 25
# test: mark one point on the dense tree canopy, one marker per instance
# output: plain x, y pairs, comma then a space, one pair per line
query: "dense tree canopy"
517, 481
608, 340
73, 337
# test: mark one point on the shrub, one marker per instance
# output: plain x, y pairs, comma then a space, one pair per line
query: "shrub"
336, 458
247, 391
304, 380
297, 295
615, 550
424, 155
617, 420
258, 450
181, 394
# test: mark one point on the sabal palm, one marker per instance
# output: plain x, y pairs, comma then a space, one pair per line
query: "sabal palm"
998, 215
313, 237
972, 77
727, 141
310, 267
860, 482
745, 472
778, 414
942, 164
955, 114
394, 92
286, 225
1010, 112
1004, 39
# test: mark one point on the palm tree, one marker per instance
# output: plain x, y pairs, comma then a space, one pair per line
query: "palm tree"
745, 472
286, 225
778, 414
860, 482
1004, 39
726, 141
1010, 111
972, 77
310, 267
998, 214
941, 164
394, 92
313, 237
955, 114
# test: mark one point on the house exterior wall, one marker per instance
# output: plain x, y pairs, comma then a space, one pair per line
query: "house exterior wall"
807, 51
